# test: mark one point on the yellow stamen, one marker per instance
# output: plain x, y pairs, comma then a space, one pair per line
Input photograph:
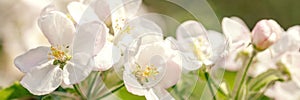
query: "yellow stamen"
201, 49
60, 55
143, 75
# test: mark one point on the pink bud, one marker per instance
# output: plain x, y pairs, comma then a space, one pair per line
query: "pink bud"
265, 33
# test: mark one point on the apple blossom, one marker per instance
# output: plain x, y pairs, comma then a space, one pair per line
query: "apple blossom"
151, 67
120, 11
239, 39
68, 59
199, 45
265, 33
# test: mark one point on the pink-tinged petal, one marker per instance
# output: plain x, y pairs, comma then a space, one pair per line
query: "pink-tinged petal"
158, 93
57, 27
132, 85
78, 68
43, 79
265, 33
90, 38
107, 57
190, 29
237, 32
32, 59
172, 73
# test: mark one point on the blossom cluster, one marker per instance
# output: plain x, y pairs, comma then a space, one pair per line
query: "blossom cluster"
99, 35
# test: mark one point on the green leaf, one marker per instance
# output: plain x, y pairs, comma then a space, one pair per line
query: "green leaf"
258, 85
264, 79
14, 91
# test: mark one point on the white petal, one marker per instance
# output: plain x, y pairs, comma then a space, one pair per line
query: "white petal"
57, 27
101, 38
218, 44
101, 8
132, 85
170, 41
122, 10
148, 51
82, 13
190, 64
138, 27
237, 33
295, 32
107, 57
292, 61
190, 29
284, 91
158, 93
78, 68
127, 7
129, 42
42, 80
239, 20
76, 10
32, 59
90, 38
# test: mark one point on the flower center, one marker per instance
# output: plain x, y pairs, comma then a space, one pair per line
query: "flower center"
146, 74
60, 55
121, 22
201, 48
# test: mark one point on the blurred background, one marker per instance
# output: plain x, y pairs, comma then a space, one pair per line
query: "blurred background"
19, 31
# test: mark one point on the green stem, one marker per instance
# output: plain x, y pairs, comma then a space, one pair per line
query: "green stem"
92, 84
209, 84
116, 89
244, 75
77, 89
219, 89
177, 92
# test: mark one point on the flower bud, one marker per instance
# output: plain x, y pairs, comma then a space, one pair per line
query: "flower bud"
265, 33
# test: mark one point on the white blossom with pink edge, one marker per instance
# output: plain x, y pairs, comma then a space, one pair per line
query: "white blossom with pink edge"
151, 67
68, 60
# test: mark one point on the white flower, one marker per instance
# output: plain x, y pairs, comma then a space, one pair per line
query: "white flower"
239, 39
199, 45
152, 66
68, 59
119, 12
